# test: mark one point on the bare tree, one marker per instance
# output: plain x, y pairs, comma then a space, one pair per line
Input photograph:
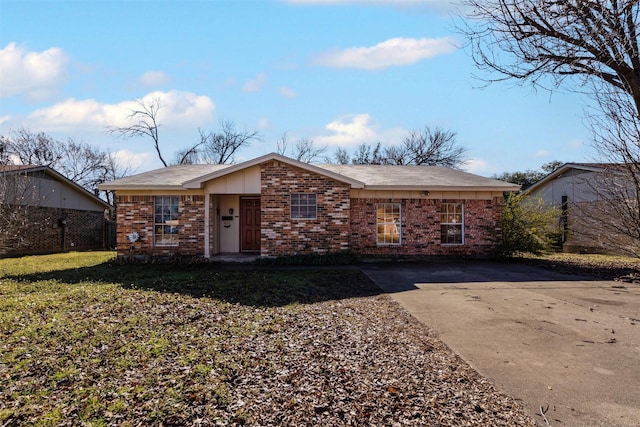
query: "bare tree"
437, 147
606, 215
307, 151
145, 123
189, 155
366, 155
113, 169
341, 156
220, 147
536, 40
282, 145
18, 195
304, 150
30, 148
590, 46
80, 162
527, 178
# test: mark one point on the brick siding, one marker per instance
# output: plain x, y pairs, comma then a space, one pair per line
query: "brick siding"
342, 223
43, 232
421, 227
281, 235
136, 214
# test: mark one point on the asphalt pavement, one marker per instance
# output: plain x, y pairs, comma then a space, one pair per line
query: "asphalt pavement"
568, 346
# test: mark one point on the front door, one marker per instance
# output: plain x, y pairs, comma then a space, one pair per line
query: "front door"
250, 225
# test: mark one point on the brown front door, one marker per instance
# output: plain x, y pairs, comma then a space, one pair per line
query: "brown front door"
249, 225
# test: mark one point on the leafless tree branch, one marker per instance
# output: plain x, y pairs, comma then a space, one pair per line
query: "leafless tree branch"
144, 123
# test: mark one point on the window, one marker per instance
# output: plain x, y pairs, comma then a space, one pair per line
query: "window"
166, 221
303, 206
389, 224
452, 224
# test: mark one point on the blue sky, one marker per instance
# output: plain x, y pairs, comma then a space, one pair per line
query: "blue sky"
337, 72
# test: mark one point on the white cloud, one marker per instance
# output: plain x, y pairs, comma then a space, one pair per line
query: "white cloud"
541, 153
256, 84
154, 78
287, 92
35, 75
133, 161
349, 130
263, 123
393, 52
478, 166
179, 110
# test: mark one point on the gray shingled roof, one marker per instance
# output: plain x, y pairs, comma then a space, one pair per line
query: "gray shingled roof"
435, 177
372, 176
171, 176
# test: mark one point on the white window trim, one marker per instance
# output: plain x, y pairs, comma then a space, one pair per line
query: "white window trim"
454, 223
398, 225
156, 224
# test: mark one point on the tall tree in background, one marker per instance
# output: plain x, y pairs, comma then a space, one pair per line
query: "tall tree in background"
429, 147
590, 46
221, 146
144, 123
526, 179
304, 150
80, 162
341, 156
365, 154
538, 40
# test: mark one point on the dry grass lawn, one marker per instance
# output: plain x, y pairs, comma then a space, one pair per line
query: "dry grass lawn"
85, 341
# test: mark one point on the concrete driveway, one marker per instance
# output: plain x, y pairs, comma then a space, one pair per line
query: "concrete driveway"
566, 342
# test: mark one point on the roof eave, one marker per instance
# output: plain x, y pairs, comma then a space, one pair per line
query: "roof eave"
561, 170
130, 187
506, 188
54, 173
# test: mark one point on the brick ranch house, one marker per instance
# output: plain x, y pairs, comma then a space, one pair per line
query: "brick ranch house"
273, 205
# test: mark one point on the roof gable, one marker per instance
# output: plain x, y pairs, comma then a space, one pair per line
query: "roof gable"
32, 169
587, 167
199, 181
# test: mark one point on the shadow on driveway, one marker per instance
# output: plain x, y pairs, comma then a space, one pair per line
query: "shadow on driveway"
387, 277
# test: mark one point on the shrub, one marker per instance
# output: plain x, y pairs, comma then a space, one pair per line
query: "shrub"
528, 226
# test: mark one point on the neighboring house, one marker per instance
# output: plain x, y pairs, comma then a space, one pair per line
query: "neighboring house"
274, 205
44, 212
582, 193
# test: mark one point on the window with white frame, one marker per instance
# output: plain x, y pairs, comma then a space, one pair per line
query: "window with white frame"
303, 206
452, 224
389, 224
165, 221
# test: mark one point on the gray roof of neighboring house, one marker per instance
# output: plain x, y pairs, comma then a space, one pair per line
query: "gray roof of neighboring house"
32, 169
589, 167
382, 177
